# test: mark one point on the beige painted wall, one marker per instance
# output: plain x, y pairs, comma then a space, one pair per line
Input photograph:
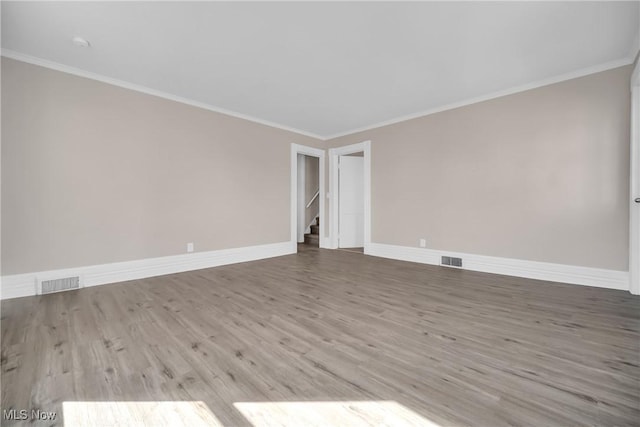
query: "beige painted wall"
541, 175
93, 173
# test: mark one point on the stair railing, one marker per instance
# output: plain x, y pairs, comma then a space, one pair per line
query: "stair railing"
315, 196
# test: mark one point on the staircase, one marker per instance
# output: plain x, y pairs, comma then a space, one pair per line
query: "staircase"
313, 238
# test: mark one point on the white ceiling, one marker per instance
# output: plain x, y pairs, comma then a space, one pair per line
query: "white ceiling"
325, 68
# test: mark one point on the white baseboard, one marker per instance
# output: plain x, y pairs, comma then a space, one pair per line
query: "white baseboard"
577, 275
22, 285
325, 243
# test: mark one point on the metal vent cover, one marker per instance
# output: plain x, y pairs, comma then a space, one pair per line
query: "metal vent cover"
451, 261
58, 285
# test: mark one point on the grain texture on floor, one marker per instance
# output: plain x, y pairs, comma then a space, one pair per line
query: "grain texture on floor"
453, 347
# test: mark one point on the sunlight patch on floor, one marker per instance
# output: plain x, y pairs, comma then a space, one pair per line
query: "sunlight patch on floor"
317, 414
138, 414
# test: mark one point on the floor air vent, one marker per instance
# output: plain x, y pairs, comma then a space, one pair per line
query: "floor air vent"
451, 261
57, 285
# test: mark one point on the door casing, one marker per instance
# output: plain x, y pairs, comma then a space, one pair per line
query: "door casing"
334, 154
634, 185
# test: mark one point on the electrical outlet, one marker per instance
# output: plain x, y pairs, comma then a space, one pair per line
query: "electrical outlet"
189, 247
423, 243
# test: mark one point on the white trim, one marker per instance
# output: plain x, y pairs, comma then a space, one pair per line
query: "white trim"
635, 47
634, 185
308, 151
149, 91
143, 89
21, 285
577, 275
510, 91
334, 153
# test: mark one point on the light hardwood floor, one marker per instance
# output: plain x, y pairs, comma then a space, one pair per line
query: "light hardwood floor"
454, 347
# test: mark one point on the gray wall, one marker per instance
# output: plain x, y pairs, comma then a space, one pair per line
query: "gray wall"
540, 175
93, 174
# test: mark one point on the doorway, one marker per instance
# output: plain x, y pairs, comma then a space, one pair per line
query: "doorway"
350, 196
307, 195
308, 200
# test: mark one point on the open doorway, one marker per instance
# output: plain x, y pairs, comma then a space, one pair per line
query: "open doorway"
350, 193
308, 231
307, 196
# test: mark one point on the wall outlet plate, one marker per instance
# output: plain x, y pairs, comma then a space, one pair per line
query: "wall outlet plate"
189, 247
423, 243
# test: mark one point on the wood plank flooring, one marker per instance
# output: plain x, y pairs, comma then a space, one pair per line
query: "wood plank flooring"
454, 347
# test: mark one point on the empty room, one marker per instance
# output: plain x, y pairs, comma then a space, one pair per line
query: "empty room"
320, 213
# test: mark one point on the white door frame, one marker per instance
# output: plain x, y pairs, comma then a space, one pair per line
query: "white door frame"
313, 152
634, 174
334, 154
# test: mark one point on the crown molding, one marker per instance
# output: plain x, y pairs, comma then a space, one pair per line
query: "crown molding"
522, 88
498, 94
18, 56
635, 47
